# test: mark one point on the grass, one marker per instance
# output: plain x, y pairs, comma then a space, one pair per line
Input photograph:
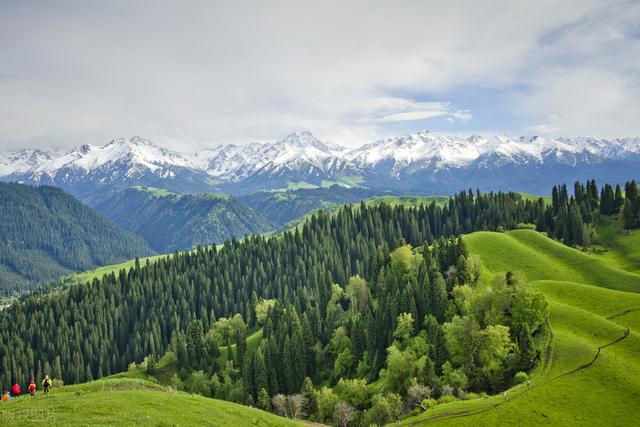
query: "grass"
99, 272
125, 401
156, 192
617, 244
540, 258
592, 302
535, 197
253, 341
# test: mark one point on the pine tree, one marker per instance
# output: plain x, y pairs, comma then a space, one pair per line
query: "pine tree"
260, 381
310, 400
195, 345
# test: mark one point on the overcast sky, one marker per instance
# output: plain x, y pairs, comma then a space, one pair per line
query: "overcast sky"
194, 74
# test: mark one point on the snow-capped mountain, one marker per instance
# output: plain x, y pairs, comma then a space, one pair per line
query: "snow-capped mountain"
86, 169
299, 151
425, 162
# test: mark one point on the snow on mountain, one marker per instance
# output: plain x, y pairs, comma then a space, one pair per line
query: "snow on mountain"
23, 161
298, 151
302, 157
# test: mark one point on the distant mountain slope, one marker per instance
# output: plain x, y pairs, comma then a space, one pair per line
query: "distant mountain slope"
282, 207
170, 221
45, 233
420, 163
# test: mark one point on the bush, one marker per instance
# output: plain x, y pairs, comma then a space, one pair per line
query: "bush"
523, 226
521, 378
429, 403
446, 399
471, 396
447, 390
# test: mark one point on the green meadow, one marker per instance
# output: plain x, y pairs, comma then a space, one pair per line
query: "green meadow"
126, 401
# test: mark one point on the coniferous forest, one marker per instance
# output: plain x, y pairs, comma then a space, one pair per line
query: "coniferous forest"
302, 322
45, 233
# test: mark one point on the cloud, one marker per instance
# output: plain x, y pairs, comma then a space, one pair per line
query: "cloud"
215, 72
426, 110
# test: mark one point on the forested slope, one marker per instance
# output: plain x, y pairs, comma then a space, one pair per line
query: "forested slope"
45, 233
146, 305
169, 221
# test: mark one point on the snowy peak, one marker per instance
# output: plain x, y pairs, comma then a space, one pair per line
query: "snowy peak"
22, 161
302, 157
441, 151
296, 152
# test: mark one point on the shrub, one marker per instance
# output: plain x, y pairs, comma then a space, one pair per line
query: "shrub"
521, 377
429, 403
447, 399
523, 226
447, 390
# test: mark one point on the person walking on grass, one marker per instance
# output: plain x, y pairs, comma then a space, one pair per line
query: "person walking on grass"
15, 390
46, 384
32, 388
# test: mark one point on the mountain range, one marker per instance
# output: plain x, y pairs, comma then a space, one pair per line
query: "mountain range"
423, 162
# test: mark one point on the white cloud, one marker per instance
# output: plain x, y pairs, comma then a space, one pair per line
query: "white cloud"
407, 110
227, 71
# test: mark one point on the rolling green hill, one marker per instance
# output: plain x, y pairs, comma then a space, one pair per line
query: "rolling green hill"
618, 245
170, 221
46, 233
131, 402
590, 373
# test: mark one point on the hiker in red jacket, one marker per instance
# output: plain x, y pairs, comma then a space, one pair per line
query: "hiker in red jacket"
15, 390
32, 388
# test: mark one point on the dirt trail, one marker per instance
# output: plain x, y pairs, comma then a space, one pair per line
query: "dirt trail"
622, 313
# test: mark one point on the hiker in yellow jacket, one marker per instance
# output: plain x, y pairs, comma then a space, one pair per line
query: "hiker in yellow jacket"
46, 384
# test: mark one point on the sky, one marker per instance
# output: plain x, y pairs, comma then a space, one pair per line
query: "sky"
194, 74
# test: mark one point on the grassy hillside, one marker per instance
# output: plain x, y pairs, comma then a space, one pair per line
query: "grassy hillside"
590, 373
89, 275
128, 402
617, 244
45, 233
169, 221
539, 257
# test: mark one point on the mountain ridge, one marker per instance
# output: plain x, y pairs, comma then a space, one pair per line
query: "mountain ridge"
408, 162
